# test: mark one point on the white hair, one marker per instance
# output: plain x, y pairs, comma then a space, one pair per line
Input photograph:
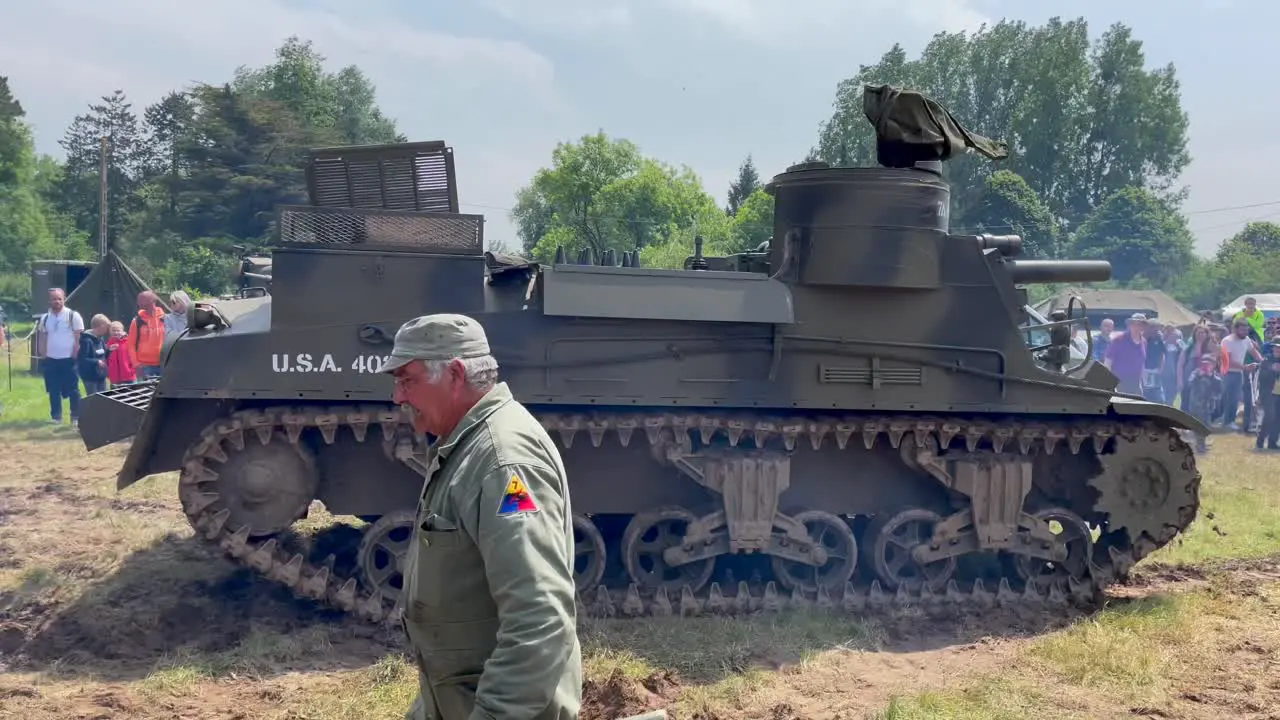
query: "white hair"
180, 297
481, 372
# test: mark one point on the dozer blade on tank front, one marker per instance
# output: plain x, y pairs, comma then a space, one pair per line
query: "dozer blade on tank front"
861, 414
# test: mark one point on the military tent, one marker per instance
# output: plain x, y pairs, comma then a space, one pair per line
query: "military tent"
1268, 303
1120, 304
111, 289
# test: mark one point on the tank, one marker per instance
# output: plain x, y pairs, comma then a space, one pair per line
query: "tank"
859, 414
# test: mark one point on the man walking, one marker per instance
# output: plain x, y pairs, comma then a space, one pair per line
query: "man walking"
1127, 355
489, 591
57, 341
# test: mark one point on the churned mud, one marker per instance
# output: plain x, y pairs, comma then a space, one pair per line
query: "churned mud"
110, 608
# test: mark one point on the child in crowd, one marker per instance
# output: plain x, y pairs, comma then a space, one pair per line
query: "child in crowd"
91, 360
121, 368
1204, 393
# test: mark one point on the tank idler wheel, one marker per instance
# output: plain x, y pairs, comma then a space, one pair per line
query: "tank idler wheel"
647, 536
832, 534
892, 539
1071, 530
384, 550
589, 556
266, 487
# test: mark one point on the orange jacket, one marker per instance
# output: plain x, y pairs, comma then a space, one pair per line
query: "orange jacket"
146, 336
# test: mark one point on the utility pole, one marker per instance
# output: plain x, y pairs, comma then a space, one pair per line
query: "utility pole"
102, 200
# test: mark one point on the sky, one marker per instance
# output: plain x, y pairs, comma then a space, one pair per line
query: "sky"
695, 82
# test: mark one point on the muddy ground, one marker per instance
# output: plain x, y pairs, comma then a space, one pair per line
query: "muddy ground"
109, 608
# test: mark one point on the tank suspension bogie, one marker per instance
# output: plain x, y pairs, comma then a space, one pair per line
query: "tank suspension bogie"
589, 553
384, 549
1135, 479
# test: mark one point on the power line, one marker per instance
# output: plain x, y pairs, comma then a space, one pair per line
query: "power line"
984, 228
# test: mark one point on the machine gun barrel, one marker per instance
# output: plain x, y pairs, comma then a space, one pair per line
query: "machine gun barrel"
1058, 271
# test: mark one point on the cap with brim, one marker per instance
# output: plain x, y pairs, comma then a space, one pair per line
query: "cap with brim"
1137, 317
437, 337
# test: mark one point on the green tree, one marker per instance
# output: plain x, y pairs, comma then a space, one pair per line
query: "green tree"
1257, 238
29, 228
341, 108
1140, 234
13, 139
1008, 205
1081, 123
753, 223
602, 193
747, 182
79, 186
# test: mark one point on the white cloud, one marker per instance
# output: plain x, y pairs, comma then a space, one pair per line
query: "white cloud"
798, 22
62, 55
83, 49
578, 16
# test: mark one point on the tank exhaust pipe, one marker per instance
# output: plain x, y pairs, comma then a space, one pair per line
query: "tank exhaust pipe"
1058, 271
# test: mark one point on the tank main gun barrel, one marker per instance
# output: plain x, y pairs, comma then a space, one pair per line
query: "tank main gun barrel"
1058, 271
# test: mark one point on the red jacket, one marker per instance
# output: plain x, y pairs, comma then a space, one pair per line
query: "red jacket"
121, 367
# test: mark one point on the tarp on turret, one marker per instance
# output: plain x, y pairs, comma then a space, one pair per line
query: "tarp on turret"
111, 289
1120, 304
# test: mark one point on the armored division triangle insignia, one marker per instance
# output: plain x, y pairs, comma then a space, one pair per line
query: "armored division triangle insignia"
516, 500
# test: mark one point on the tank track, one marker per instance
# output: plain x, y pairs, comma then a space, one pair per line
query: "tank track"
1125, 488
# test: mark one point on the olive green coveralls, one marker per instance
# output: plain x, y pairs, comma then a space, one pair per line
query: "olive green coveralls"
489, 606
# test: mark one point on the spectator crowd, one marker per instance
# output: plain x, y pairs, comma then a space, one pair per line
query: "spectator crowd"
1210, 375
104, 354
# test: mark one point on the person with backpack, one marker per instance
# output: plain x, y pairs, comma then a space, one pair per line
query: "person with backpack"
146, 335
57, 341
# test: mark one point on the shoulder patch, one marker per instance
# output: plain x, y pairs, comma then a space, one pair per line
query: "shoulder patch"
516, 500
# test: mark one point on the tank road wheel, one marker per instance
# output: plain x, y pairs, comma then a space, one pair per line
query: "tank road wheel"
647, 535
384, 549
266, 487
588, 554
1072, 531
892, 539
831, 533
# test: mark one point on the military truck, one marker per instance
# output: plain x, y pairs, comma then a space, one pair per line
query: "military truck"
850, 415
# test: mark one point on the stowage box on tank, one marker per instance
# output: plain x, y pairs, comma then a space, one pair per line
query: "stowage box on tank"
855, 414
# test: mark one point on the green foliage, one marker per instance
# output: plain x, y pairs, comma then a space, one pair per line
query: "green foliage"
197, 172
1081, 123
1140, 234
747, 182
1008, 205
753, 222
603, 194
1257, 238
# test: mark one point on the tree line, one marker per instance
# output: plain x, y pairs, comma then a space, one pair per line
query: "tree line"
1098, 142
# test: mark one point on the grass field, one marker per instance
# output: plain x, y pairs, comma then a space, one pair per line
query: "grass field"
109, 609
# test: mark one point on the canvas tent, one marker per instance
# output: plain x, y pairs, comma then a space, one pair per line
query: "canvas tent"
1268, 303
1120, 304
111, 289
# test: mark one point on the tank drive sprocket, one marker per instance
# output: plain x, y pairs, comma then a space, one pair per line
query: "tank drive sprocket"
691, 592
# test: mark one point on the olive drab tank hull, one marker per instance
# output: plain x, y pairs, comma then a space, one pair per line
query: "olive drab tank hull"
861, 414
